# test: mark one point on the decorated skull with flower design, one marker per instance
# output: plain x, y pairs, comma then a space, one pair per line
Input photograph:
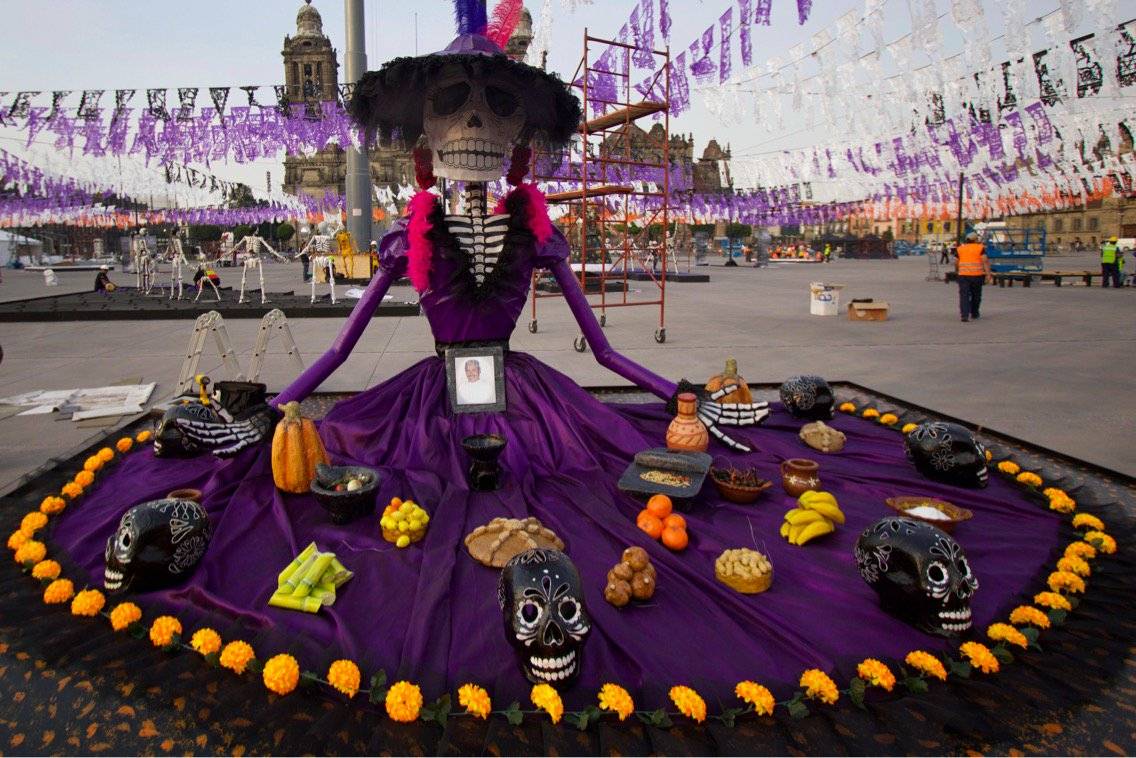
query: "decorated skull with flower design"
947, 453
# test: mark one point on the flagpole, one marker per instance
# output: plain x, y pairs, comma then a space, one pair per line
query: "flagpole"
358, 179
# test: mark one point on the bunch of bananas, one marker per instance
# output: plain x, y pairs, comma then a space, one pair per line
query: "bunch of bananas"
816, 514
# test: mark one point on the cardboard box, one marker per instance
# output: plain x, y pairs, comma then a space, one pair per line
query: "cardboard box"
870, 310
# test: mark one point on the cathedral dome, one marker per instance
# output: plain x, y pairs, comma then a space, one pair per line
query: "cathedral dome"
308, 21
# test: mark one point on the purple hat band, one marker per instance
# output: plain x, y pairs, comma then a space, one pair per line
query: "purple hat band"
472, 44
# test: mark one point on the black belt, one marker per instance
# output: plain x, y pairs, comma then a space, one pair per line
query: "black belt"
441, 347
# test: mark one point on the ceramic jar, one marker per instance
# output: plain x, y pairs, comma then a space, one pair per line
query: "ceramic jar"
799, 475
686, 432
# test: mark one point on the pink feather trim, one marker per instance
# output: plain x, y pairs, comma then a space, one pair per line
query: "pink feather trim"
420, 252
506, 16
536, 210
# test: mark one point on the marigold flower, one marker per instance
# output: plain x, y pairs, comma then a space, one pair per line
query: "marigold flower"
756, 695
1052, 492
93, 464
548, 699
71, 490
281, 673
888, 419
1101, 541
1062, 504
84, 478
52, 505
88, 603
819, 686
989, 456
344, 676
236, 655
475, 700
106, 455
404, 701
143, 436
614, 698
1053, 600
1009, 467
1082, 550
1074, 565
876, 673
124, 615
32, 551
205, 641
1087, 521
846, 408
1027, 614
689, 703
1029, 479
47, 570
59, 591
124, 444
926, 663
164, 630
908, 428
980, 657
1064, 581
1008, 634
18, 538
870, 413
33, 522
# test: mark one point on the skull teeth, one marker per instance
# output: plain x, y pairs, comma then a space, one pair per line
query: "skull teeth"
553, 669
472, 153
961, 614
956, 627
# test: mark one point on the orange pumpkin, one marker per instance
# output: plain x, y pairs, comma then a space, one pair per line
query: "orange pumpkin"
725, 379
296, 449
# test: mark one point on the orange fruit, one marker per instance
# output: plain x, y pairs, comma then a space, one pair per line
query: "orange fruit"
659, 506
674, 520
675, 538
650, 524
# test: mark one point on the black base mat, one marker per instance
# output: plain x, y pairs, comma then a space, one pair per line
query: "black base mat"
73, 686
126, 304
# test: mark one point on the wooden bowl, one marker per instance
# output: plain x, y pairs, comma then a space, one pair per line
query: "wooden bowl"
955, 514
737, 493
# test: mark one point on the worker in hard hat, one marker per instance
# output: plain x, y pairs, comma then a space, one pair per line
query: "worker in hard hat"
1110, 264
973, 269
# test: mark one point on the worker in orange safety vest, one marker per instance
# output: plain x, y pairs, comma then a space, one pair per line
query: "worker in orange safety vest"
973, 270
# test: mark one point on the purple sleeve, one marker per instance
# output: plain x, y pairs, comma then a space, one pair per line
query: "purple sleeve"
554, 250
605, 355
392, 262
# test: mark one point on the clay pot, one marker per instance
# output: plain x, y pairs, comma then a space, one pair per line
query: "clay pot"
686, 432
186, 493
799, 475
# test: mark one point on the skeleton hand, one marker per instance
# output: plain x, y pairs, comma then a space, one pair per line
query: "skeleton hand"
714, 414
226, 440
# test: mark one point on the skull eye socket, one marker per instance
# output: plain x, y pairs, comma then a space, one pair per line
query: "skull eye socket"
530, 612
569, 610
502, 102
448, 100
963, 566
936, 573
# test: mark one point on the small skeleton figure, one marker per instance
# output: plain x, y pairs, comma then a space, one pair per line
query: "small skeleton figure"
176, 255
143, 261
252, 260
319, 247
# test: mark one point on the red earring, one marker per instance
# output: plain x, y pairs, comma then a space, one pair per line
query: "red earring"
519, 164
424, 166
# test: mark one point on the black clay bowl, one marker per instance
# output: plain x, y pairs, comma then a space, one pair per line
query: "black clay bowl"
484, 448
344, 506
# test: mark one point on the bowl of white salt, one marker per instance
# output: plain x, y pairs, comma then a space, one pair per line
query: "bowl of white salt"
930, 510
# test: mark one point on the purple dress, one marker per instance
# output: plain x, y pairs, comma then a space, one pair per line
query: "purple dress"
429, 613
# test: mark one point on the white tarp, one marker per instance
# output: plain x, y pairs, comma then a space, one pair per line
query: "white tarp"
93, 402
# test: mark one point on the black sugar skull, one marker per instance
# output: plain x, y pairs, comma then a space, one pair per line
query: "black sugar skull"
920, 573
807, 397
947, 453
542, 601
157, 543
170, 441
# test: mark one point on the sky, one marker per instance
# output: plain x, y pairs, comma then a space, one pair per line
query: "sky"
112, 44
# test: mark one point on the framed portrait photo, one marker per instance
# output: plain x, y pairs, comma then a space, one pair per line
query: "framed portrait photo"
475, 377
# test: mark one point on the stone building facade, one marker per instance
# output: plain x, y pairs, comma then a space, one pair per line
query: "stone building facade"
710, 173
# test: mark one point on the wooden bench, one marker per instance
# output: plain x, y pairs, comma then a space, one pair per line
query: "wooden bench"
1007, 278
1057, 276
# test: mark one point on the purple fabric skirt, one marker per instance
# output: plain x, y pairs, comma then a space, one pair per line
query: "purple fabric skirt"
429, 612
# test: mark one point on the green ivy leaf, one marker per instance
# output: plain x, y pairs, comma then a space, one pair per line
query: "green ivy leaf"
513, 714
1002, 654
378, 693
213, 659
1057, 616
136, 630
254, 666
856, 689
657, 718
916, 685
730, 715
1030, 633
442, 709
308, 679
960, 668
797, 708
578, 720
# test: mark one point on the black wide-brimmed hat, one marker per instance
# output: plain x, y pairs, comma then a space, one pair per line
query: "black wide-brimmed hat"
393, 98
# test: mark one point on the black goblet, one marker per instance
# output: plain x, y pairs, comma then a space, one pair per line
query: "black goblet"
483, 450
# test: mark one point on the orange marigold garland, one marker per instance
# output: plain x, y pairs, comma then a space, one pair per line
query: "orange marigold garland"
1087, 521
72, 490
124, 444
1074, 565
52, 504
143, 436
206, 641
1005, 633
1082, 550
404, 701
1101, 541
888, 419
281, 674
980, 657
106, 455
31, 553
84, 478
925, 663
59, 591
33, 521
688, 702
47, 570
757, 696
475, 700
124, 615
17, 538
1027, 614
876, 673
1053, 600
907, 428
614, 698
1029, 479
344, 676
88, 603
1009, 467
236, 655
1064, 581
93, 464
165, 631
819, 686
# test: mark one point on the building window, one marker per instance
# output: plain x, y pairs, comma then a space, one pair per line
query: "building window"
1058, 225
947, 226
1094, 223
1078, 224
930, 226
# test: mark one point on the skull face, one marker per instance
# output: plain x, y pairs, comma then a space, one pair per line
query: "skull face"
947, 453
169, 439
471, 125
542, 602
807, 397
155, 545
920, 573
